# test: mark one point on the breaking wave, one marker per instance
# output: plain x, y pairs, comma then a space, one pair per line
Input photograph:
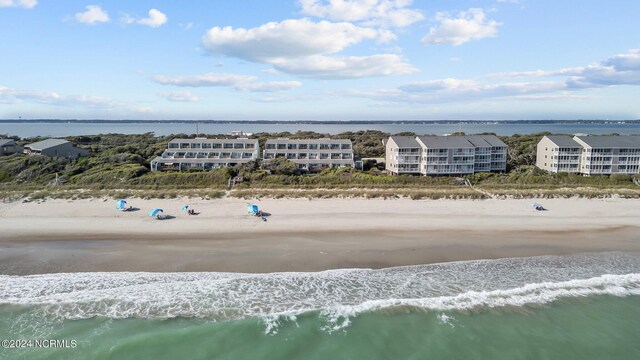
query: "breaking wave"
338, 295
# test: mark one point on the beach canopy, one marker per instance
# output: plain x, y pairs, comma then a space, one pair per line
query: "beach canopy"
155, 212
184, 207
535, 205
120, 204
253, 209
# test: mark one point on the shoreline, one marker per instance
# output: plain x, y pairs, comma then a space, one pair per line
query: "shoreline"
303, 235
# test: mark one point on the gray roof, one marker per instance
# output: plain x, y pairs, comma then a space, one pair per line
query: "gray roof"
563, 141
485, 140
405, 141
445, 142
611, 141
45, 144
216, 141
4, 142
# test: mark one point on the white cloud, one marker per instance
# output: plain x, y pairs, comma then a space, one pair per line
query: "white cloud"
155, 19
456, 88
330, 67
393, 13
238, 82
301, 47
269, 86
186, 26
27, 4
617, 70
620, 69
179, 96
211, 79
469, 25
16, 96
624, 62
92, 16
293, 38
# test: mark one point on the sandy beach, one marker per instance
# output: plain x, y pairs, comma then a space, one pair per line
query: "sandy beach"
302, 234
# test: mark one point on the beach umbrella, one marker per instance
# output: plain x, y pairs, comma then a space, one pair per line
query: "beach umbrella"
120, 204
184, 207
253, 209
535, 205
155, 212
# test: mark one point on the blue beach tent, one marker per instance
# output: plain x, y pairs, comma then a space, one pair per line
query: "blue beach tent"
155, 212
121, 204
184, 207
252, 209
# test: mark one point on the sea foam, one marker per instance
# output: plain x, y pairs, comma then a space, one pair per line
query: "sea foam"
338, 295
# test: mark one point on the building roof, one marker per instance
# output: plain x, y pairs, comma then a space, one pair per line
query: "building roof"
308, 141
445, 142
405, 141
45, 144
563, 141
485, 140
611, 141
4, 142
215, 141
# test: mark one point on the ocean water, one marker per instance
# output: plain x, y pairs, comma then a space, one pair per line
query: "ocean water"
552, 307
71, 129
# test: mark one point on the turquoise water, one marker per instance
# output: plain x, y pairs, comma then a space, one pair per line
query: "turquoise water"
569, 307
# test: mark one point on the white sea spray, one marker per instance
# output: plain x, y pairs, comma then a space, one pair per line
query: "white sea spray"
337, 295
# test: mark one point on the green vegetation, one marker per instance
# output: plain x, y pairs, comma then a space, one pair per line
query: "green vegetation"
119, 167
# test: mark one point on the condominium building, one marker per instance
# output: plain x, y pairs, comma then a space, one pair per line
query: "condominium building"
311, 155
445, 155
557, 153
201, 153
590, 155
403, 155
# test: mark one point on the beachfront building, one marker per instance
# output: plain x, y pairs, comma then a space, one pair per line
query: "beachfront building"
445, 155
311, 155
557, 153
206, 154
55, 148
590, 155
8, 147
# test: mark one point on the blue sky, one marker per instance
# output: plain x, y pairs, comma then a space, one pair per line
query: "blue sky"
320, 59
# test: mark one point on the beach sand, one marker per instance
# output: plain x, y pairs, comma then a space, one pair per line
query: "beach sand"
302, 234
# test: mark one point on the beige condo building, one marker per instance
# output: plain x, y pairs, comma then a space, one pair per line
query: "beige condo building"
589, 155
445, 155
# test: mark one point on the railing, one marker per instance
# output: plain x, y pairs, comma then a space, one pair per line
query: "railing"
408, 162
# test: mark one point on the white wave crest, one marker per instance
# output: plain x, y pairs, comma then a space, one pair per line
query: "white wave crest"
338, 295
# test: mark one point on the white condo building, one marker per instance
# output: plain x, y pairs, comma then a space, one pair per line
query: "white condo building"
183, 154
445, 155
311, 155
589, 155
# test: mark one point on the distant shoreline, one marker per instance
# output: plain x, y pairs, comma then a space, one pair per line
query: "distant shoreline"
320, 122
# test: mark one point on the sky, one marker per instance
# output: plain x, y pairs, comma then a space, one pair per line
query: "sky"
320, 59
